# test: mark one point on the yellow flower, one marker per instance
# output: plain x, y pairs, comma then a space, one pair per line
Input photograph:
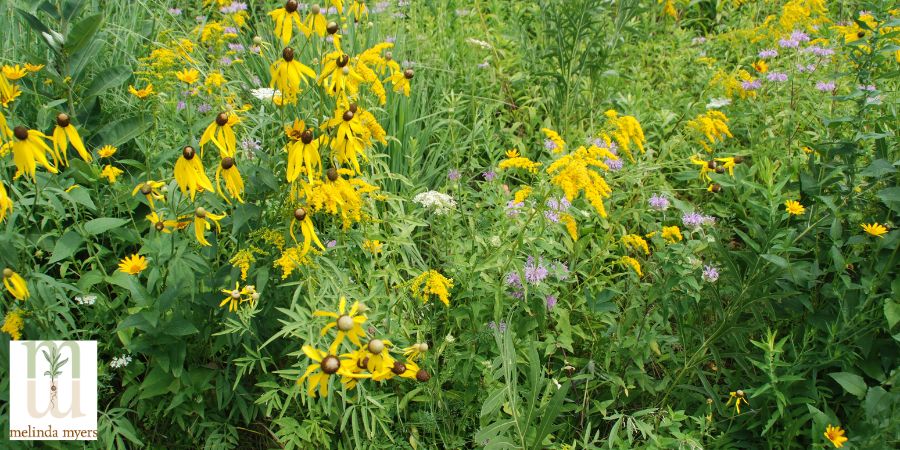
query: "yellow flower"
111, 173
401, 81
15, 284
835, 435
515, 161
214, 79
340, 78
28, 149
573, 174
571, 225
635, 242
237, 295
432, 283
875, 229
201, 224
221, 133
303, 151
380, 360
634, 264
133, 264
285, 18
672, 234
141, 93
13, 73
348, 323
243, 258
291, 260
314, 23
728, 163
150, 190
33, 67
327, 364
307, 229
13, 324
106, 151
358, 10
415, 351
794, 208
522, 194
62, 134
554, 141
6, 203
339, 196
712, 125
351, 138
625, 130
287, 74
190, 174
373, 247
8, 92
162, 225
738, 397
234, 184
761, 66
188, 76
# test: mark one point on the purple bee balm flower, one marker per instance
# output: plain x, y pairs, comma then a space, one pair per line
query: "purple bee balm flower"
200, 19
768, 53
826, 86
710, 274
549, 145
562, 271
204, 108
255, 49
181, 105
699, 40
551, 301
870, 87
552, 216
788, 43
659, 202
809, 68
692, 220
751, 85
331, 244
819, 51
390, 39
226, 61
489, 175
799, 36
453, 175
513, 209
535, 273
777, 77
614, 164
236, 47
230, 30
513, 280
175, 11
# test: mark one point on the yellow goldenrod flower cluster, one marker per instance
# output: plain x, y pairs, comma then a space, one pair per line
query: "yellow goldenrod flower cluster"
731, 84
554, 142
573, 174
516, 161
636, 243
243, 258
633, 264
13, 324
712, 125
432, 283
291, 260
625, 131
337, 195
671, 234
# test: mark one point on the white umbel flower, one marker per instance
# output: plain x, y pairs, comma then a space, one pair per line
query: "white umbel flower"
266, 94
716, 103
88, 299
120, 361
438, 202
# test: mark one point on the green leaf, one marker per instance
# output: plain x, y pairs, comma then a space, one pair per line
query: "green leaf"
180, 327
892, 313
891, 197
66, 246
108, 78
103, 224
83, 32
33, 21
851, 382
118, 133
549, 415
493, 402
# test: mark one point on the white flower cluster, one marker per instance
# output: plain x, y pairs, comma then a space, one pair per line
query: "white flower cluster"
440, 203
266, 94
120, 361
716, 103
86, 299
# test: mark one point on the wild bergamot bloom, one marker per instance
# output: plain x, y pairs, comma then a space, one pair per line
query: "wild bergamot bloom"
142, 93
573, 174
190, 174
348, 323
64, 133
234, 184
29, 149
188, 76
432, 283
835, 435
287, 74
306, 229
874, 229
738, 397
221, 133
634, 264
303, 151
6, 203
106, 151
554, 142
237, 295
327, 364
133, 264
401, 81
515, 160
13, 324
201, 224
285, 18
150, 190
794, 208
111, 173
15, 284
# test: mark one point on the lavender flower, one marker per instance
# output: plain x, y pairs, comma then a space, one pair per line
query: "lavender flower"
230, 30
453, 175
695, 220
614, 164
549, 145
390, 39
236, 47
777, 77
820, 51
175, 11
513, 209
226, 61
751, 85
535, 273
181, 105
788, 43
826, 86
768, 53
489, 175
555, 207
551, 301
699, 40
331, 244
501, 327
204, 108
809, 68
562, 271
799, 36
710, 274
870, 87
659, 202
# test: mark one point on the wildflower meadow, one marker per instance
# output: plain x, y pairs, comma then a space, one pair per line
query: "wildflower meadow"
460, 224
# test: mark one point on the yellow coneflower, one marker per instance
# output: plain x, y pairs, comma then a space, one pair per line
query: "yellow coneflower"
63, 133
188, 76
307, 229
142, 93
6, 203
835, 435
13, 324
727, 163
221, 133
237, 295
303, 151
15, 284
162, 225
315, 22
401, 81
738, 397
328, 364
358, 10
794, 208
339, 196
14, 73
415, 351
285, 18
356, 364
133, 264
111, 173
380, 360
287, 74
150, 190
350, 139
339, 77
432, 283
234, 184
875, 229
201, 224
190, 174
29, 149
347, 322
339, 5
106, 151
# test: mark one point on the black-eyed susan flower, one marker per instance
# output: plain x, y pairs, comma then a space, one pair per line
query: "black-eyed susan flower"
303, 151
737, 397
6, 203
141, 93
15, 284
13, 324
835, 435
29, 150
133, 264
150, 189
162, 225
202, 220
188, 76
415, 351
351, 138
306, 229
221, 133
190, 174
111, 173
409, 369
348, 322
288, 74
327, 364
106, 151
285, 18
794, 208
401, 81
432, 284
234, 184
64, 133
874, 229
315, 22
